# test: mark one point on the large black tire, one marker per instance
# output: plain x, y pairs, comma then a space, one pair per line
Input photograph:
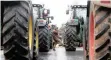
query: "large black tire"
71, 38
1, 21
102, 29
15, 30
44, 42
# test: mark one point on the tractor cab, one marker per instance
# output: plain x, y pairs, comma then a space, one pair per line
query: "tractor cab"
76, 14
74, 27
41, 14
42, 17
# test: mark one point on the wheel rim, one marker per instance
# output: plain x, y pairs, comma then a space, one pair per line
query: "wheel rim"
30, 33
37, 42
30, 36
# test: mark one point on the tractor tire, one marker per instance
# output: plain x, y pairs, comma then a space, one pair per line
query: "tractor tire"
15, 30
44, 42
1, 22
71, 38
102, 29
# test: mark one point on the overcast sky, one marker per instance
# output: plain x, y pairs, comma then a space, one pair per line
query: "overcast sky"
58, 8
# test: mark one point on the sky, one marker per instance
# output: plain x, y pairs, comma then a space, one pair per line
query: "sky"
58, 9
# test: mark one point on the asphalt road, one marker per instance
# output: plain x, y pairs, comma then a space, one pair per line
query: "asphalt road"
58, 54
1, 55
61, 54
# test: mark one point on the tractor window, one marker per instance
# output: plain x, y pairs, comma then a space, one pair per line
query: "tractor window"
35, 13
81, 12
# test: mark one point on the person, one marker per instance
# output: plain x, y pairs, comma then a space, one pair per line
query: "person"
56, 38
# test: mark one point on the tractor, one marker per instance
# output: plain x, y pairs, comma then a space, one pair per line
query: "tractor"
41, 15
97, 41
18, 30
74, 27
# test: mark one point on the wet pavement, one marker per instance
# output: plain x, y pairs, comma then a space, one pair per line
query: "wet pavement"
1, 55
61, 54
58, 54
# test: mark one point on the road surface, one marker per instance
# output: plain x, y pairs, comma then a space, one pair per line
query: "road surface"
61, 54
58, 54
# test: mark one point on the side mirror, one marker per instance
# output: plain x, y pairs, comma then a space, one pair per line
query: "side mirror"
67, 11
52, 17
43, 5
48, 11
71, 7
50, 22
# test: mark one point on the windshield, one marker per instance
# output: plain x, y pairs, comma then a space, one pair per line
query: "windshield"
81, 12
38, 12
35, 13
